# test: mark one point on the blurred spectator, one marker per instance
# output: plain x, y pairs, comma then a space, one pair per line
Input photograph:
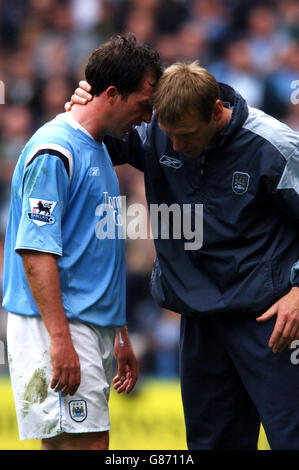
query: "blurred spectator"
236, 69
142, 23
85, 15
166, 340
171, 14
11, 17
17, 127
212, 19
21, 88
54, 93
164, 16
278, 84
167, 46
191, 44
288, 14
266, 41
42, 10
142, 313
52, 57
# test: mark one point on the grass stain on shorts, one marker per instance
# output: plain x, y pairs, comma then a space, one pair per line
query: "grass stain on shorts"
36, 390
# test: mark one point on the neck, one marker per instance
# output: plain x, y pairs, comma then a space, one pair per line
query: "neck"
226, 117
85, 116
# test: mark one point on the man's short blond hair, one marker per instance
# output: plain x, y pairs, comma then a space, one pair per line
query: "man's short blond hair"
185, 87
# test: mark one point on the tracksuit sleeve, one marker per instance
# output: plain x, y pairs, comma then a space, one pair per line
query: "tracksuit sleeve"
295, 274
131, 149
287, 192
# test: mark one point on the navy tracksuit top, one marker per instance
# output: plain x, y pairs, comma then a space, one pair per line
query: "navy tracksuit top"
248, 185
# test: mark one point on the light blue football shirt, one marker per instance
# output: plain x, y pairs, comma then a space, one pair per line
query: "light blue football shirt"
65, 200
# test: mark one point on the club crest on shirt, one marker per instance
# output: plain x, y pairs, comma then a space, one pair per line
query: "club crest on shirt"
78, 410
41, 211
240, 182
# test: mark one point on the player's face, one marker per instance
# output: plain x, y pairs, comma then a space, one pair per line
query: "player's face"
133, 110
191, 135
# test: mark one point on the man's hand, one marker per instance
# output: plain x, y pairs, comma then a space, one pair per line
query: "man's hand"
66, 375
286, 327
81, 95
127, 372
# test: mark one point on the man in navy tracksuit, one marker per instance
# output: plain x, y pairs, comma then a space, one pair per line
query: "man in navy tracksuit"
239, 292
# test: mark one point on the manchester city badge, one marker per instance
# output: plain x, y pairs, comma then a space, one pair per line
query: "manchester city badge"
240, 182
78, 410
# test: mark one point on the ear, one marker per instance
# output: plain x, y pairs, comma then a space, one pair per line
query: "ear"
218, 110
111, 93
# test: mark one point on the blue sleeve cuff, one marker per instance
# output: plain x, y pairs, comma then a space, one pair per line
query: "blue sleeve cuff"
295, 274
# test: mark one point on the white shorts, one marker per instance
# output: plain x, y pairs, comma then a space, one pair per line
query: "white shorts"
41, 412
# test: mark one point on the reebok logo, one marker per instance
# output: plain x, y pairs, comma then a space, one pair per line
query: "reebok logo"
170, 161
94, 171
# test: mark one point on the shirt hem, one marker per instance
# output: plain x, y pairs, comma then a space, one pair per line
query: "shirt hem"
36, 249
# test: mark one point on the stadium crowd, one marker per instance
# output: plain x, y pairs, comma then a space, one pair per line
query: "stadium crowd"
44, 44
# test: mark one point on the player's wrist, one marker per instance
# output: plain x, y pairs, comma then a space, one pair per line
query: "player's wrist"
60, 333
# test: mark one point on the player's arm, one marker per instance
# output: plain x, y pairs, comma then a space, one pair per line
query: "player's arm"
127, 371
286, 196
43, 279
39, 241
80, 96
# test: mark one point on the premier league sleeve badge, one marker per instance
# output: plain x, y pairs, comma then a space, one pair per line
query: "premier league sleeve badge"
41, 211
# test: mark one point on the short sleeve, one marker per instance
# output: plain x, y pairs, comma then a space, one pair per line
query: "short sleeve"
44, 201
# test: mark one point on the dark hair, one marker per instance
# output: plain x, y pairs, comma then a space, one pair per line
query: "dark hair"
121, 62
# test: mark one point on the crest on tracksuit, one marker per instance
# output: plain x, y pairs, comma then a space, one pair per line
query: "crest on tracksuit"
240, 182
41, 211
78, 410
